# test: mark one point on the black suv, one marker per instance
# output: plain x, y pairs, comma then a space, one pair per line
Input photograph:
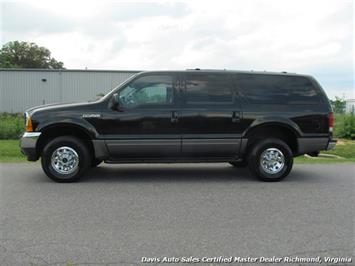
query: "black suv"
256, 119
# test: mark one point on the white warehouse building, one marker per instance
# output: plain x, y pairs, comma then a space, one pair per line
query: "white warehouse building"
21, 89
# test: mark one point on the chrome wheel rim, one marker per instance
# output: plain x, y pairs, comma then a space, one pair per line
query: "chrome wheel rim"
65, 160
272, 161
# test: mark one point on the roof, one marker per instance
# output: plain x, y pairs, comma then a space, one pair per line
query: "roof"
155, 71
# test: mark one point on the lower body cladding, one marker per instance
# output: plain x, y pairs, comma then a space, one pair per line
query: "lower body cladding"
164, 148
206, 149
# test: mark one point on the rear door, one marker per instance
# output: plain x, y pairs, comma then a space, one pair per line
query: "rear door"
210, 115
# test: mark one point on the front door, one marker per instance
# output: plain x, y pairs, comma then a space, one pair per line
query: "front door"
146, 123
210, 116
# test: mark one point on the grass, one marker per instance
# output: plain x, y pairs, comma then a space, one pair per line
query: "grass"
305, 160
10, 151
345, 149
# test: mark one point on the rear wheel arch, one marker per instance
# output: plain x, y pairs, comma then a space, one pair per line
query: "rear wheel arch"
280, 131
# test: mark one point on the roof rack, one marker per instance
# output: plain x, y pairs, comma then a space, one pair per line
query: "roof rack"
206, 69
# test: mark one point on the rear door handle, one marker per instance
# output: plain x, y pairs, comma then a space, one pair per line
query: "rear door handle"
236, 117
174, 117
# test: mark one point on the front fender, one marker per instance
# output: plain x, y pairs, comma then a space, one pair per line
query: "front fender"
68, 121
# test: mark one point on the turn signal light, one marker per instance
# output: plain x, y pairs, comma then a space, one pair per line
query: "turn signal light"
29, 127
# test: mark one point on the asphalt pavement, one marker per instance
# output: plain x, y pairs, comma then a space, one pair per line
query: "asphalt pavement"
121, 213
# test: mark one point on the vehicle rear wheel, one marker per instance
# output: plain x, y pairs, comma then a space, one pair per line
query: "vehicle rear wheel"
270, 160
65, 159
239, 164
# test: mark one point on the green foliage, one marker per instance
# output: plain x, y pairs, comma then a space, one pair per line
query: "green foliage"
345, 126
338, 105
27, 55
11, 125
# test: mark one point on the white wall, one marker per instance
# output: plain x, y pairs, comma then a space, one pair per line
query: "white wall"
21, 89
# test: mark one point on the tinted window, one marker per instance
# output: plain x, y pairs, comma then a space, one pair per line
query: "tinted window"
208, 89
148, 90
274, 89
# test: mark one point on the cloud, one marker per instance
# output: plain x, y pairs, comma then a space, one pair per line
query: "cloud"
20, 17
314, 37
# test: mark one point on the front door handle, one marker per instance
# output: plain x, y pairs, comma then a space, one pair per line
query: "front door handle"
236, 117
174, 117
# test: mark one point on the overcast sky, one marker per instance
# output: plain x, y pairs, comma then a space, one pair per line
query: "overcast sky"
313, 37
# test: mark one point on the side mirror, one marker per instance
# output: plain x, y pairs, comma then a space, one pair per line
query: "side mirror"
114, 102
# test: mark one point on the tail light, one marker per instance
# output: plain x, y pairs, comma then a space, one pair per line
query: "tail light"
331, 121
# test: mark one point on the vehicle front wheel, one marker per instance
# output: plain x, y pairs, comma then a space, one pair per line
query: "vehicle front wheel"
65, 159
270, 160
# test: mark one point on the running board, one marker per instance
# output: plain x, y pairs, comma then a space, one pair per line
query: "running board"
173, 160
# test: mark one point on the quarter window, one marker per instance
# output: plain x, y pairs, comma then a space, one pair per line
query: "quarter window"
277, 89
148, 91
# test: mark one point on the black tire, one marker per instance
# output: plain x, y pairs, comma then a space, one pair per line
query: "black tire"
82, 151
95, 162
239, 164
255, 165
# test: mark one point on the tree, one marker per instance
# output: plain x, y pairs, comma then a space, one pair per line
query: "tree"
338, 105
27, 55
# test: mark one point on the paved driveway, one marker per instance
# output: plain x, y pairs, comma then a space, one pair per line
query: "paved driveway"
121, 213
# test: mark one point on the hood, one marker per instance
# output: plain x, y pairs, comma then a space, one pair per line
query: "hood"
56, 106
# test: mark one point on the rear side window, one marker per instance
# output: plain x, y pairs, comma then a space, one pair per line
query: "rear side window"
208, 89
274, 89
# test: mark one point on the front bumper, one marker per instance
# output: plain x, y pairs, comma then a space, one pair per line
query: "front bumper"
28, 144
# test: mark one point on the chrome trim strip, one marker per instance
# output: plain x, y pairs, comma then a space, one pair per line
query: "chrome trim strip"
31, 134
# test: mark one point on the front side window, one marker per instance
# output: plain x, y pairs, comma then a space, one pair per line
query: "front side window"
148, 91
